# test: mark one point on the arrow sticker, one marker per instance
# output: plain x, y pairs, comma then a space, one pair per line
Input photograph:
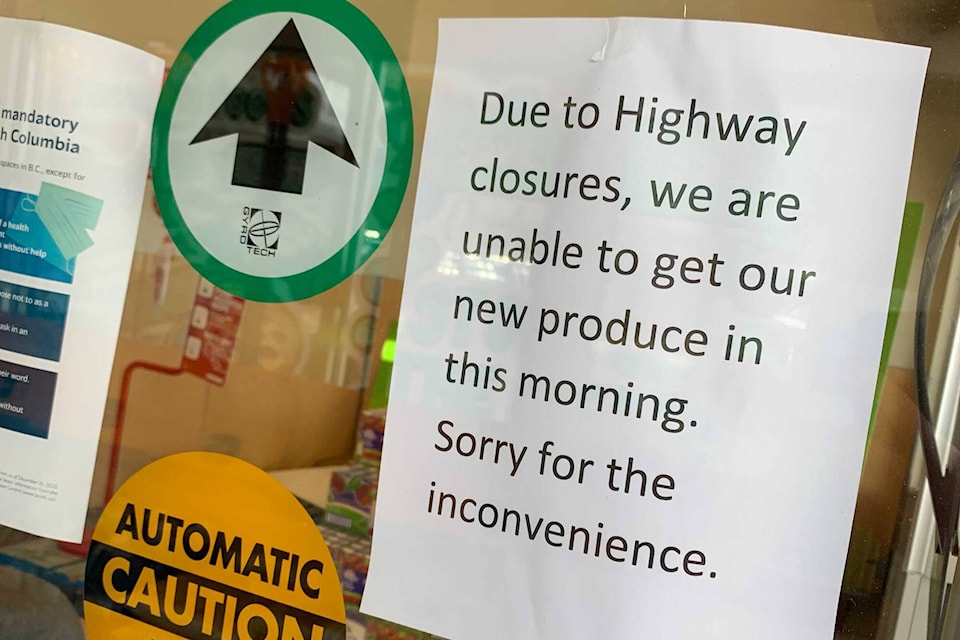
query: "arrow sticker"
276, 111
244, 107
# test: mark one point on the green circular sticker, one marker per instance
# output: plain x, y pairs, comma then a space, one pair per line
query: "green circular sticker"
282, 146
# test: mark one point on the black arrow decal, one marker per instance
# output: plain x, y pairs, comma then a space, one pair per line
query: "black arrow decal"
276, 110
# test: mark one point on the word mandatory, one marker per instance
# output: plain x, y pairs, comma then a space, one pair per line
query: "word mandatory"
44, 119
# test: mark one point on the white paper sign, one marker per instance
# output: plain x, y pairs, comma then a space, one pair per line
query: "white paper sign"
75, 120
641, 325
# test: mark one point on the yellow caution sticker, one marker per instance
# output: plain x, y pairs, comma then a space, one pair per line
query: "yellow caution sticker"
203, 546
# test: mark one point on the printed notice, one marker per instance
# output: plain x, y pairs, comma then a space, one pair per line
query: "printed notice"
212, 334
641, 327
74, 149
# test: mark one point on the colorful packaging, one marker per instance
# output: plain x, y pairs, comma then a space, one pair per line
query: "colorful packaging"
382, 630
353, 562
353, 492
352, 556
370, 435
356, 624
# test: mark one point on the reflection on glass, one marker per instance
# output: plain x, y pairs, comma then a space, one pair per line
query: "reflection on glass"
277, 110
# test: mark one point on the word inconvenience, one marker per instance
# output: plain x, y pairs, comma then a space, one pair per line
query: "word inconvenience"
575, 539
186, 603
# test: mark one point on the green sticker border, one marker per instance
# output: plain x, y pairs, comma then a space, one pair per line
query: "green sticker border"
383, 63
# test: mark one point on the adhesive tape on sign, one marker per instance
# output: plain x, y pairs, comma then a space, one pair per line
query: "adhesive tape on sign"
202, 546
